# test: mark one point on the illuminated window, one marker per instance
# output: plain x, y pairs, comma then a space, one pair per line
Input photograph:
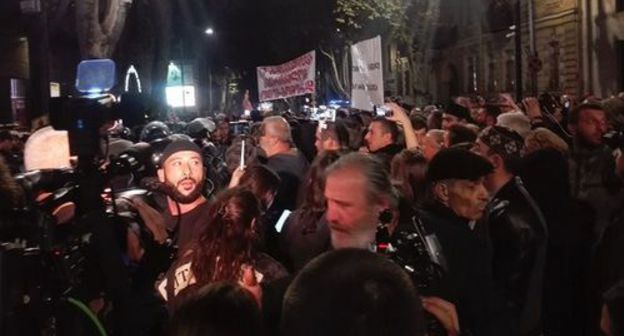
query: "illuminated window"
180, 96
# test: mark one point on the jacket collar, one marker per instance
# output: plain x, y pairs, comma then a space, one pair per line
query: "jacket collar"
447, 214
390, 149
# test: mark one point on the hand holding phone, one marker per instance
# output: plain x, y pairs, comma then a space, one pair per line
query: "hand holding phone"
383, 111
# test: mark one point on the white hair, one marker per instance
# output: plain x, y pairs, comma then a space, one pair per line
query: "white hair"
516, 121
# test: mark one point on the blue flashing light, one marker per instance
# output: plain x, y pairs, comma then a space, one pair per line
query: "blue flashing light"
95, 76
339, 102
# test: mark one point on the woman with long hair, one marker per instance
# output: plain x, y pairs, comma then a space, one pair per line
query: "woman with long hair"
306, 234
263, 182
407, 172
223, 249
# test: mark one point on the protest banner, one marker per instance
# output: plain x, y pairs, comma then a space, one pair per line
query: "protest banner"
367, 90
293, 78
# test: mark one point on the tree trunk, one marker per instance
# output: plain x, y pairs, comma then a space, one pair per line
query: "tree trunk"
57, 13
336, 80
161, 18
98, 38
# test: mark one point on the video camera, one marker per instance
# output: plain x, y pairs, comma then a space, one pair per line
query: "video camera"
60, 254
614, 139
418, 254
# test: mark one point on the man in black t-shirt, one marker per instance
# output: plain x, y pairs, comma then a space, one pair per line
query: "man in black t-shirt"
181, 175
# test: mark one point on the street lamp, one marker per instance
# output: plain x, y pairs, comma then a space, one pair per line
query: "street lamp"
209, 31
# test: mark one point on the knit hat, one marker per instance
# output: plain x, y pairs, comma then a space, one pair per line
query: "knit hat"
178, 146
503, 141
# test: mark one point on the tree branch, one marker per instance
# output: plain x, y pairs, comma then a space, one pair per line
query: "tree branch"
338, 83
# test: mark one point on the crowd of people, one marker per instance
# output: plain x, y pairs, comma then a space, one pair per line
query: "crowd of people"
481, 217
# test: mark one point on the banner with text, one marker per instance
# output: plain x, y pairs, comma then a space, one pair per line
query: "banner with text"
294, 78
367, 74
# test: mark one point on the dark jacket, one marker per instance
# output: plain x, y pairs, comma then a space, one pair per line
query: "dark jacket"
387, 153
545, 175
593, 180
291, 168
518, 236
305, 236
468, 281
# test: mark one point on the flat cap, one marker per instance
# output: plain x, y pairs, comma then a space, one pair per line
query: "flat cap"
457, 164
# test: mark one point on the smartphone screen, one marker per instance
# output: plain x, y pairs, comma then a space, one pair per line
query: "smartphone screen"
380, 111
282, 219
242, 155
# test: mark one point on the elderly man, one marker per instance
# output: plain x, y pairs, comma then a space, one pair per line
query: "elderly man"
457, 198
432, 143
290, 165
285, 159
357, 190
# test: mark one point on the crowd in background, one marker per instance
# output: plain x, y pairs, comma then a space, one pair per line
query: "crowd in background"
273, 224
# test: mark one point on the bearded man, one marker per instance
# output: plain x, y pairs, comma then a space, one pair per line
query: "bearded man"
182, 173
181, 176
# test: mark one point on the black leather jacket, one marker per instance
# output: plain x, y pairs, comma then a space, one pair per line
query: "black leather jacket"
517, 233
387, 153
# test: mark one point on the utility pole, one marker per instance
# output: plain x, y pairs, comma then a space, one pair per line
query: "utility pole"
38, 47
518, 43
535, 64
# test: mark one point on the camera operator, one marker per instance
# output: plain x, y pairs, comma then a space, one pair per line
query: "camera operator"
70, 255
595, 175
358, 191
596, 180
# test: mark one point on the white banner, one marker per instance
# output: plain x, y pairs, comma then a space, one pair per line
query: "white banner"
294, 78
367, 75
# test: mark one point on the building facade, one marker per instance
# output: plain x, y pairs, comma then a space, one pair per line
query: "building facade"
571, 47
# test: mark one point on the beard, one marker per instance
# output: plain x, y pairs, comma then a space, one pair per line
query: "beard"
173, 192
360, 239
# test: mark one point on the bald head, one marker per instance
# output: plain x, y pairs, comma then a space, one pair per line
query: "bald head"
47, 148
277, 127
433, 142
276, 136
